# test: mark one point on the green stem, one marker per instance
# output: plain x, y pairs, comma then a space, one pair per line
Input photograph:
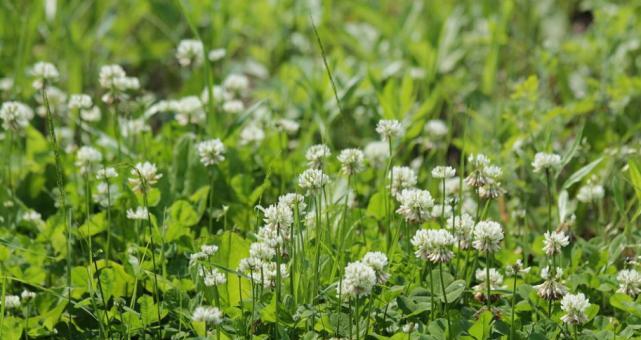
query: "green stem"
447, 314
487, 278
513, 302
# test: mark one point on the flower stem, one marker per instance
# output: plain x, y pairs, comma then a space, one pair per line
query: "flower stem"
447, 314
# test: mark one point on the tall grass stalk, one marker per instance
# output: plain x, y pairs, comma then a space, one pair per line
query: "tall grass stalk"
62, 200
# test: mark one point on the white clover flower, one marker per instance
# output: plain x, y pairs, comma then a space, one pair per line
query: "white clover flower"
358, 281
517, 268
312, 180
487, 236
629, 282
288, 125
92, 114
495, 279
189, 110
144, 175
452, 186
209, 249
15, 115
551, 288
316, 154
236, 83
478, 161
32, 216
214, 277
27, 295
251, 134
190, 52
106, 173
554, 241
278, 216
133, 127
6, 84
219, 93
443, 172
233, 106
80, 101
216, 54
351, 161
433, 245
139, 214
377, 153
261, 251
545, 161
266, 275
110, 75
436, 128
415, 205
389, 129
106, 194
492, 172
574, 306
211, 151
293, 200
11, 301
249, 264
43, 72
211, 315
87, 158
378, 261
590, 193
402, 177
462, 229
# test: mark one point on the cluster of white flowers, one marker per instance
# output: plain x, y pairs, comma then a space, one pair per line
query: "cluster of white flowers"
190, 52
143, 176
629, 282
377, 153
43, 73
436, 129
402, 177
211, 151
87, 158
358, 281
551, 288
106, 194
316, 155
278, 219
11, 301
251, 134
484, 176
590, 193
140, 213
554, 241
80, 101
415, 205
352, 161
15, 115
462, 229
433, 245
312, 180
212, 277
114, 79
210, 315
32, 216
487, 236
546, 161
442, 172
574, 306
517, 269
293, 201
389, 129
378, 261
133, 127
496, 281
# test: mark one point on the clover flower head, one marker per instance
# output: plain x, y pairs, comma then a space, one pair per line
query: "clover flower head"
415, 205
352, 161
574, 306
206, 314
143, 176
433, 245
43, 72
546, 161
358, 281
629, 282
312, 180
554, 241
15, 115
190, 52
487, 236
442, 172
316, 154
211, 152
402, 177
389, 129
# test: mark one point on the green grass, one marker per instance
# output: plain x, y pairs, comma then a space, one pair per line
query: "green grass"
507, 79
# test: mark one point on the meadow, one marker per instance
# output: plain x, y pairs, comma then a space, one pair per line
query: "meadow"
371, 169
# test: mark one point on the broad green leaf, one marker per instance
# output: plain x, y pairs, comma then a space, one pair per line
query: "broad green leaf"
579, 174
